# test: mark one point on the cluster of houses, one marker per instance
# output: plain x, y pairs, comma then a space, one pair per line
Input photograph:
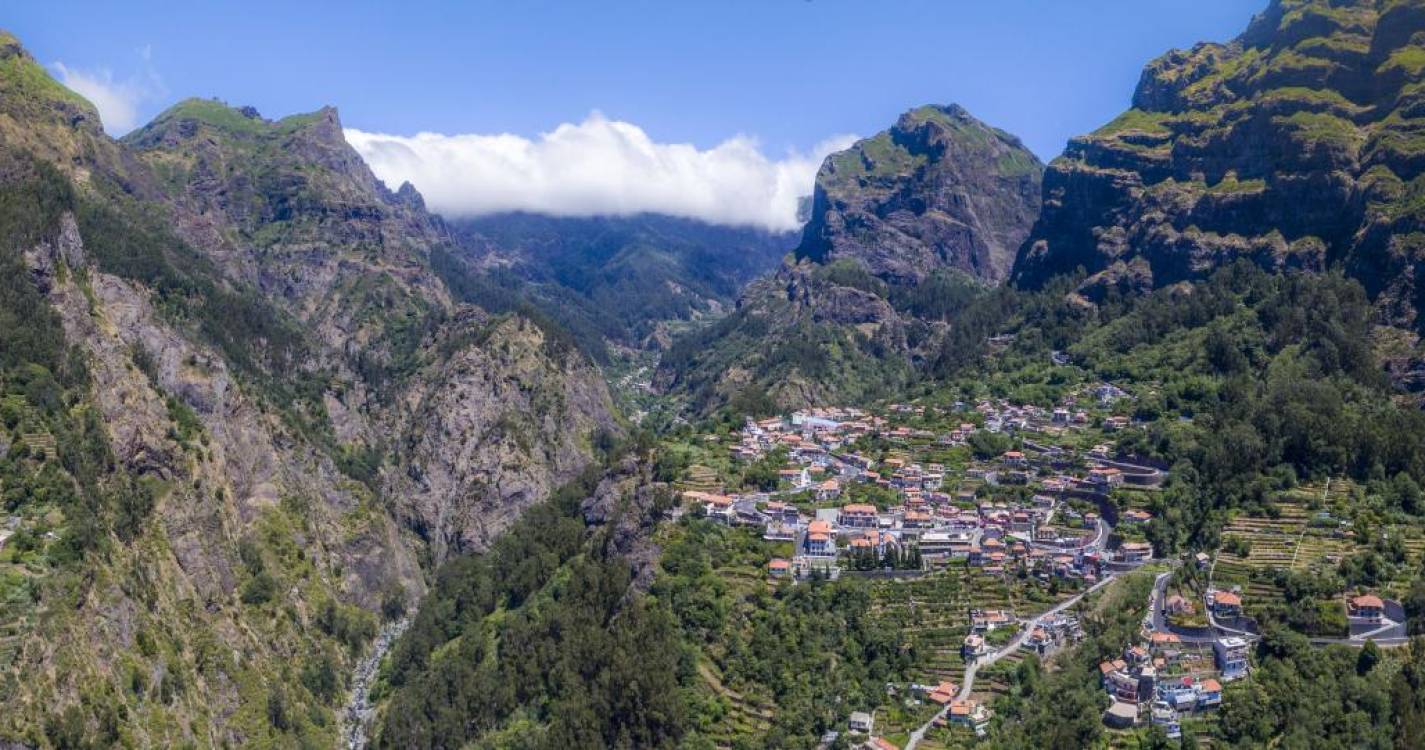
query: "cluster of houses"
1141, 691
1043, 533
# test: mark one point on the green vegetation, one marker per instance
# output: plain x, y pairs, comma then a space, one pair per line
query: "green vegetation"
1136, 120
538, 643
775, 666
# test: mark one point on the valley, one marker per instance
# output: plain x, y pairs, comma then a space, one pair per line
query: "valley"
1125, 450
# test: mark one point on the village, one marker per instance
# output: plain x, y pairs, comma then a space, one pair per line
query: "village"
998, 491
869, 495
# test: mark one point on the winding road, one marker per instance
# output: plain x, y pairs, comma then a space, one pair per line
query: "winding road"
968, 684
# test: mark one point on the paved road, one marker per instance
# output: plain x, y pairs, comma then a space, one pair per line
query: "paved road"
968, 683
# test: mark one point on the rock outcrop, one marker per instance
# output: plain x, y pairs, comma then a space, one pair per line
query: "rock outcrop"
255, 415
939, 190
1299, 145
932, 208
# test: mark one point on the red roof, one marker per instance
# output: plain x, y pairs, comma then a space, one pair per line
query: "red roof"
1230, 599
1367, 600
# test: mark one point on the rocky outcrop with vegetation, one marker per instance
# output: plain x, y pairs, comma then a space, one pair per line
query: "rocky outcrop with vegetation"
906, 227
939, 190
1297, 146
244, 413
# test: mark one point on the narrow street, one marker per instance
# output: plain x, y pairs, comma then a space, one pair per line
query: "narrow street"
967, 685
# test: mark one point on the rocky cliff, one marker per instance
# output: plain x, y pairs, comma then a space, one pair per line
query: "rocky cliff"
1298, 145
905, 227
939, 190
240, 410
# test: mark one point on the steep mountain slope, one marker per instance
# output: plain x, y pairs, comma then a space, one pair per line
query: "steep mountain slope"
1300, 144
939, 189
620, 278
239, 409
906, 227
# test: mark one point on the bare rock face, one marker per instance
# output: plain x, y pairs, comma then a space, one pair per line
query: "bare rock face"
938, 190
939, 199
493, 430
627, 505
481, 417
1292, 147
286, 409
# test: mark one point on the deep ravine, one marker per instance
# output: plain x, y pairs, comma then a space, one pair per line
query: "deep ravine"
357, 716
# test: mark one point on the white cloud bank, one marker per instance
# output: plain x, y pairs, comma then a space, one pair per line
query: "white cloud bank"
597, 167
118, 101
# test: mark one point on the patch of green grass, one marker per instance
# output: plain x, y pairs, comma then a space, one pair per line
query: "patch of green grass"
1136, 120
1410, 59
24, 79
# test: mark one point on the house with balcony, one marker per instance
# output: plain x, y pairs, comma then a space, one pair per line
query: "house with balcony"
858, 516
1230, 654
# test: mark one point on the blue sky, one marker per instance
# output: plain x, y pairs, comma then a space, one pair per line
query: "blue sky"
786, 74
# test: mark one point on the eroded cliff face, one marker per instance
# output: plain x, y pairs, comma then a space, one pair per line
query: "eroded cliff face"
171, 604
284, 415
937, 204
478, 416
1299, 145
939, 190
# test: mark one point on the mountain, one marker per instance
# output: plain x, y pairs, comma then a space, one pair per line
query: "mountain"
242, 412
620, 279
906, 228
1298, 145
937, 190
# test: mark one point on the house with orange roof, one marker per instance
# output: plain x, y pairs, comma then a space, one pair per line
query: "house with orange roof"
858, 516
1366, 608
820, 540
971, 714
1226, 604
942, 693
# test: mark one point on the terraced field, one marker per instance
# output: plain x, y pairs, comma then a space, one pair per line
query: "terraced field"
701, 478
934, 611
1274, 543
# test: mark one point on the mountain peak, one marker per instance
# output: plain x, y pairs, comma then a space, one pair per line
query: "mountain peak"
29, 94
939, 189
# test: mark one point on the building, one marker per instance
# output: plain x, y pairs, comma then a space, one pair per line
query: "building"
861, 722
779, 568
1105, 478
942, 694
820, 541
828, 490
1166, 717
988, 620
1132, 552
970, 713
973, 647
1231, 657
1226, 604
1366, 608
1121, 715
1209, 694
858, 516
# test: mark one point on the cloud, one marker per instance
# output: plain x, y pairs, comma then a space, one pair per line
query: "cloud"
118, 101
597, 167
